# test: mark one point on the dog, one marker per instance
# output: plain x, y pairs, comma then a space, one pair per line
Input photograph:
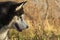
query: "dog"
11, 16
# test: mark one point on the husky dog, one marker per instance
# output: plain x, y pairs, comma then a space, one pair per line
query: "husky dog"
11, 16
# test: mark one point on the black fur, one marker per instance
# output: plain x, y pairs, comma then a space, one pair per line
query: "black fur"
7, 12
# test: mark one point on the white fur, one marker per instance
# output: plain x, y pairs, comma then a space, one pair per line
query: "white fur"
4, 30
21, 23
19, 7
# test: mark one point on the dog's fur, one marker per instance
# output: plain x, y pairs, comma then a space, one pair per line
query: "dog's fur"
11, 16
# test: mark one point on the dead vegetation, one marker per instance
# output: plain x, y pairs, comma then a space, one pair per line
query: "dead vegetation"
43, 18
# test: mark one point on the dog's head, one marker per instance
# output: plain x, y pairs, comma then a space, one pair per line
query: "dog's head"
11, 14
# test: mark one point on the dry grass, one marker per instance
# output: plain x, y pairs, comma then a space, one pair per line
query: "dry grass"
43, 18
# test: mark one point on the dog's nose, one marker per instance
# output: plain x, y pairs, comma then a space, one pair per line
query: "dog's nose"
27, 27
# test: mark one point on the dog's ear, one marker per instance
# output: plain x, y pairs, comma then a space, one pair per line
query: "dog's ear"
20, 5
17, 6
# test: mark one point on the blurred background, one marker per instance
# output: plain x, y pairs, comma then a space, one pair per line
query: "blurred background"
43, 18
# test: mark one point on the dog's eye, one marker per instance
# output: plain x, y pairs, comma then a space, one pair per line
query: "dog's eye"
20, 17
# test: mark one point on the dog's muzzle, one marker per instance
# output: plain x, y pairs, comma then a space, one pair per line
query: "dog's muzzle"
18, 27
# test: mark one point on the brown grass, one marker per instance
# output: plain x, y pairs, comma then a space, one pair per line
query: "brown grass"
43, 18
